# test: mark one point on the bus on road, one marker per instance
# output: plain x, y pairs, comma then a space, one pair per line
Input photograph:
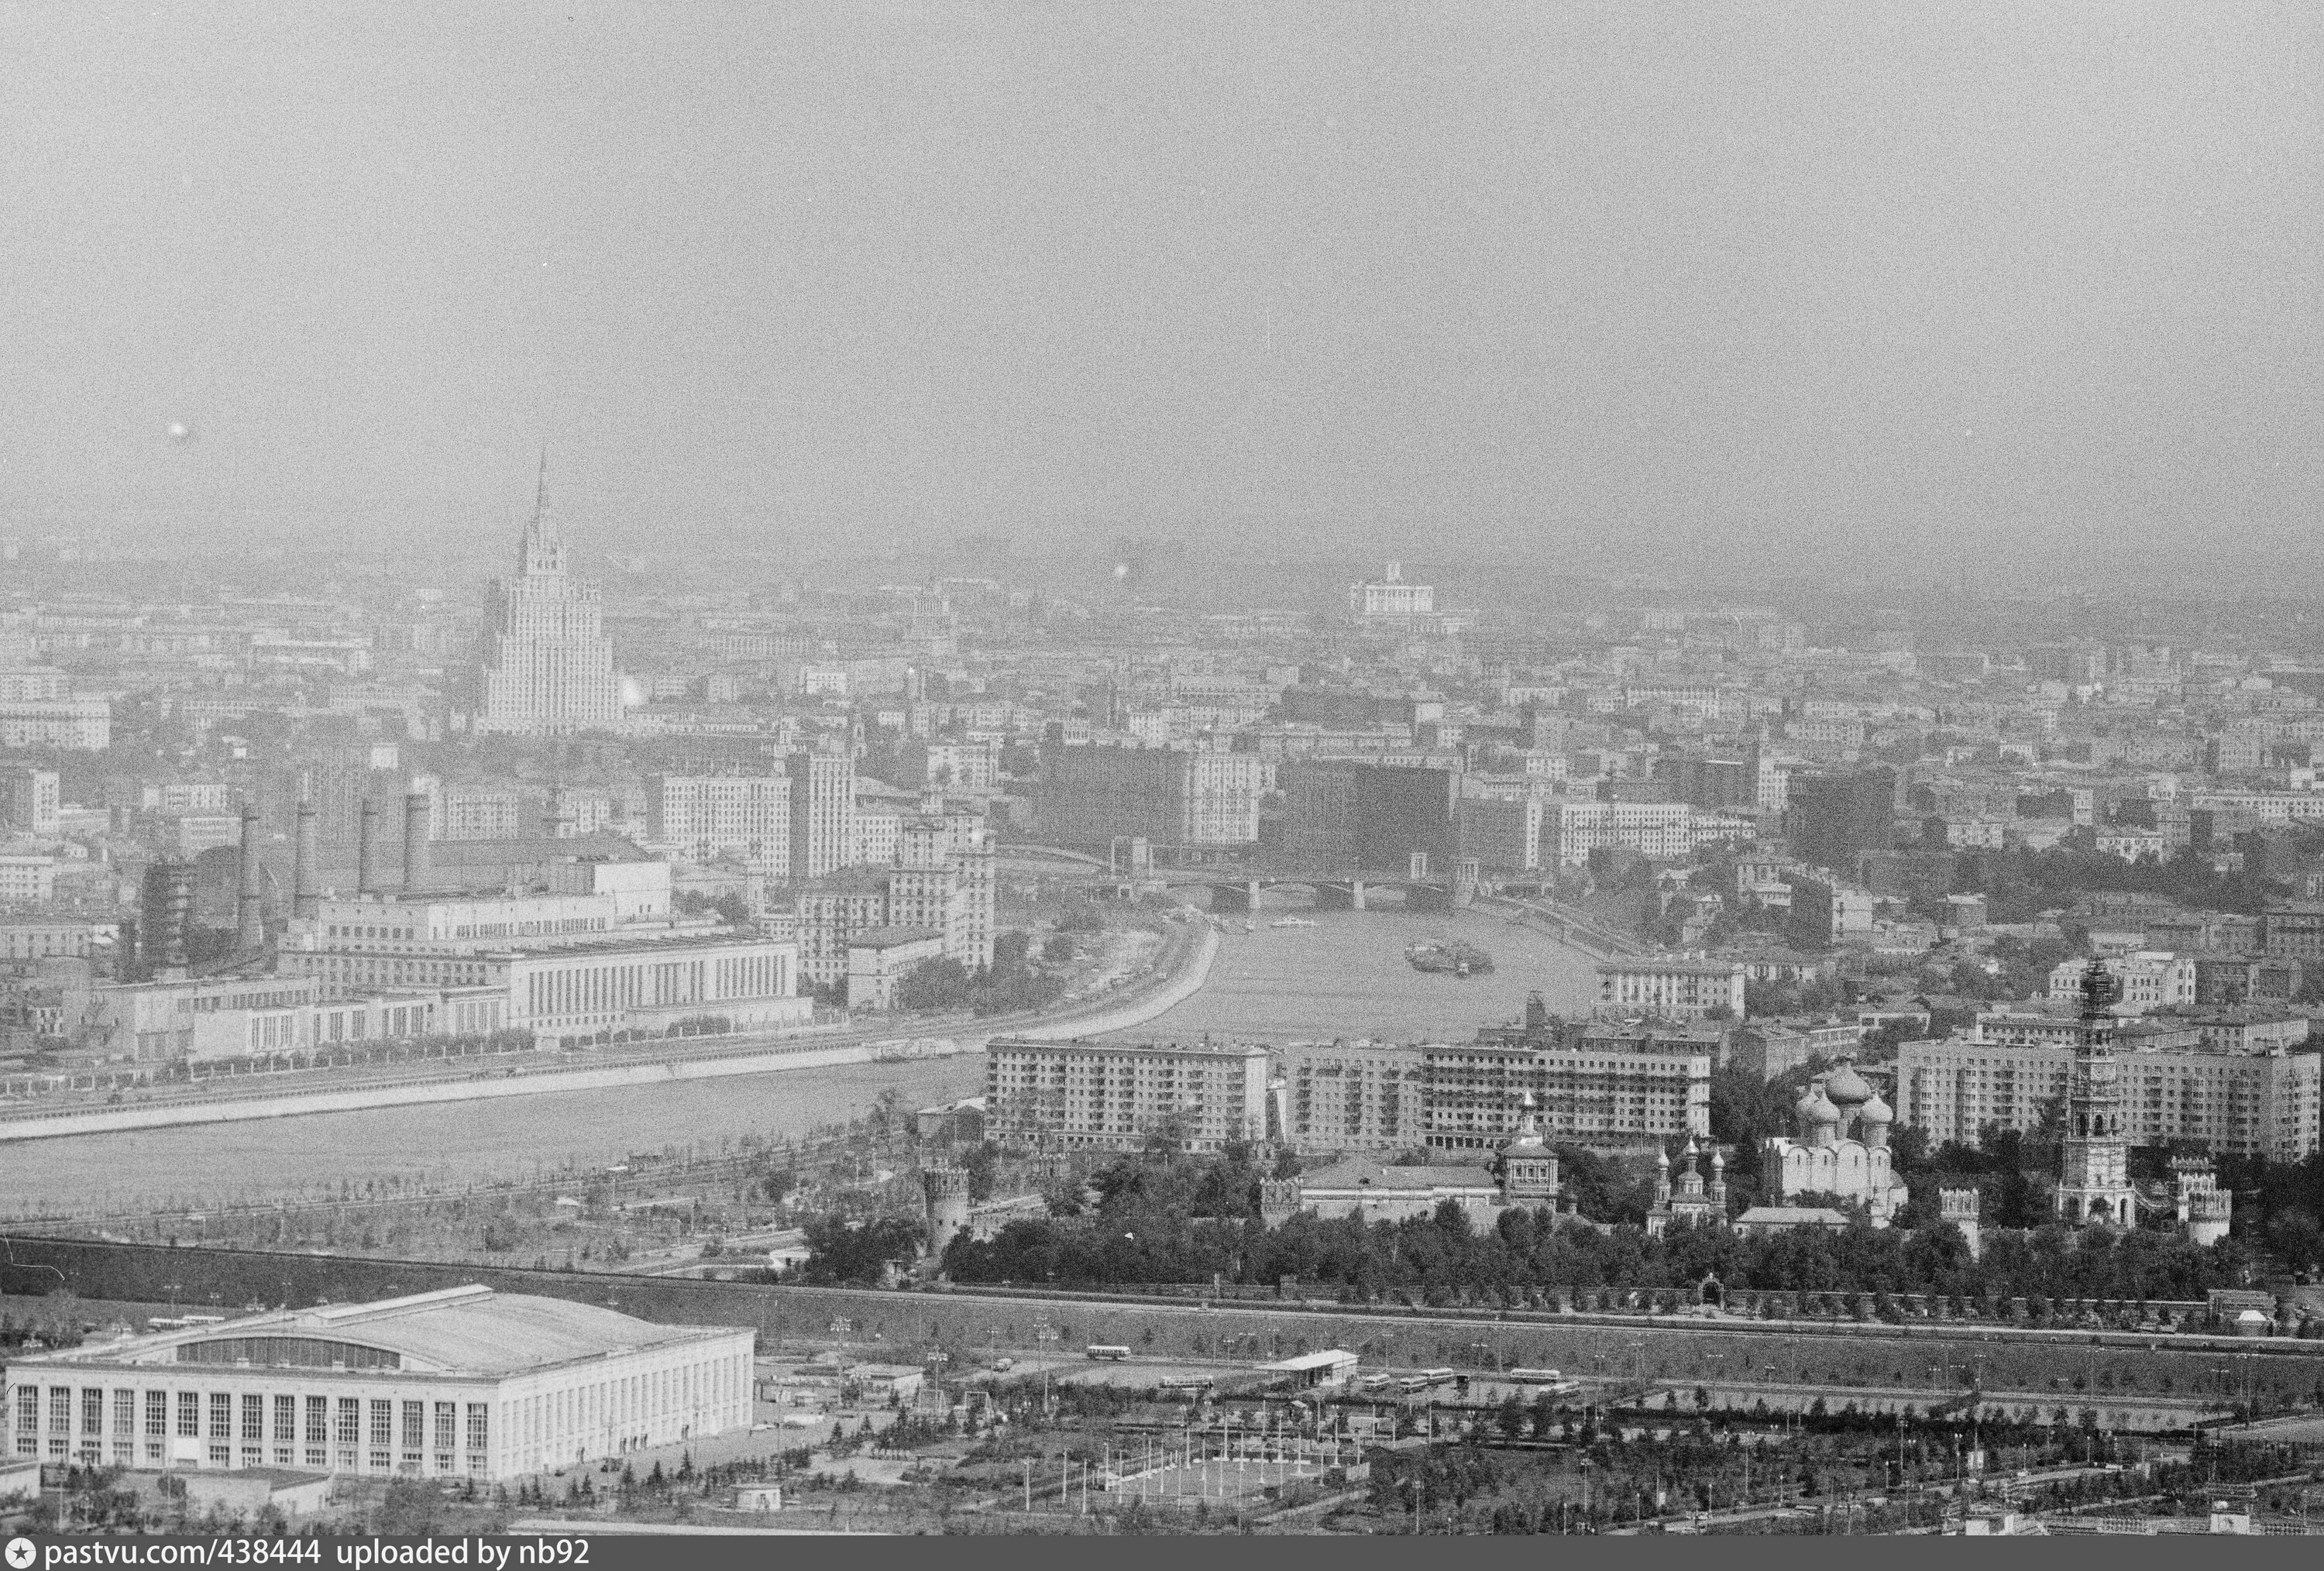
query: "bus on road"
1556, 1382
1102, 1351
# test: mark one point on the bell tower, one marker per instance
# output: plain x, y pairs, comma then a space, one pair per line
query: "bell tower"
2094, 1183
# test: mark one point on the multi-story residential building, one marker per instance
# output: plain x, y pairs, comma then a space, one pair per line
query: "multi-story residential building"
2261, 807
2250, 1030
465, 1382
827, 912
35, 799
23, 942
1352, 1097
1221, 794
2252, 1103
942, 879
2294, 930
1772, 1047
1099, 1095
1824, 911
706, 817
547, 666
822, 812
1672, 986
29, 877
2147, 980
1663, 831
961, 766
1618, 1088
1501, 833
1089, 797
479, 812
879, 833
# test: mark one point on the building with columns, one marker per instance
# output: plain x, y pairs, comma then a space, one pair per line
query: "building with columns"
467, 1382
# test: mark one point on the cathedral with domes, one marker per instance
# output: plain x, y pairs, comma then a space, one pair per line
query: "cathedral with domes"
1840, 1148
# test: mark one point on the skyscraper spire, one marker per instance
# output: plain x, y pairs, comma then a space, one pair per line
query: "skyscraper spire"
543, 550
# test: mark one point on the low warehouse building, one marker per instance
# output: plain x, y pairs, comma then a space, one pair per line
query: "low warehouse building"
463, 1382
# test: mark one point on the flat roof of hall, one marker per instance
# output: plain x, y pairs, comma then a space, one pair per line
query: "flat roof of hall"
472, 1331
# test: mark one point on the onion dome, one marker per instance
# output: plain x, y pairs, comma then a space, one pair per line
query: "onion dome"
1815, 1107
1846, 1088
1662, 1159
1876, 1111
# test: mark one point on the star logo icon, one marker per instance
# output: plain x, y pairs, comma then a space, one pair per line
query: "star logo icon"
21, 1554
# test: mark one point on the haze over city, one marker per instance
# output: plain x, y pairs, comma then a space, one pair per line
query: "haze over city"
1875, 284
1351, 768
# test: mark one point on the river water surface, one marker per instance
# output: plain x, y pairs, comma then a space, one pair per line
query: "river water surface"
1344, 977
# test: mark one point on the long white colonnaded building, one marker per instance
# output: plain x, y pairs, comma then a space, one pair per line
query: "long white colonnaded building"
465, 1382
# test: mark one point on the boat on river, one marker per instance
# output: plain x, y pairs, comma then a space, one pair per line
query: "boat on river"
1449, 957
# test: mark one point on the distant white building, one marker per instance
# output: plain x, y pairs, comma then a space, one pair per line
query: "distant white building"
1675, 986
1391, 596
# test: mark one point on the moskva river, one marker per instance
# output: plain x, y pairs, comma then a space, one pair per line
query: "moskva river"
1346, 977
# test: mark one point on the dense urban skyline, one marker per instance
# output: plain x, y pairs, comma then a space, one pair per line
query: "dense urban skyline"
732, 738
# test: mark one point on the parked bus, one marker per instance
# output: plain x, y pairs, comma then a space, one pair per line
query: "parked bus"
1102, 1350
1438, 1376
1554, 1380
1197, 1382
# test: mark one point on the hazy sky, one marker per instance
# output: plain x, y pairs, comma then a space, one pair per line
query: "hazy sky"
1923, 277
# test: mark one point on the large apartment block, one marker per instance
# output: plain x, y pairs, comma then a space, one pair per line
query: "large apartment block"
1093, 1095
1583, 1088
2263, 1103
822, 812
1353, 1097
705, 816
1169, 796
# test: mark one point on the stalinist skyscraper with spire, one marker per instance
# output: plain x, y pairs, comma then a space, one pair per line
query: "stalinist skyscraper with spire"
548, 667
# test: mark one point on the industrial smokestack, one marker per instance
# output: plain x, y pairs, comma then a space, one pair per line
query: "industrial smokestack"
415, 840
249, 921
305, 899
367, 849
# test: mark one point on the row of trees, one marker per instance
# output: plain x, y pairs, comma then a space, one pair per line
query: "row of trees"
1012, 984
1194, 1222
